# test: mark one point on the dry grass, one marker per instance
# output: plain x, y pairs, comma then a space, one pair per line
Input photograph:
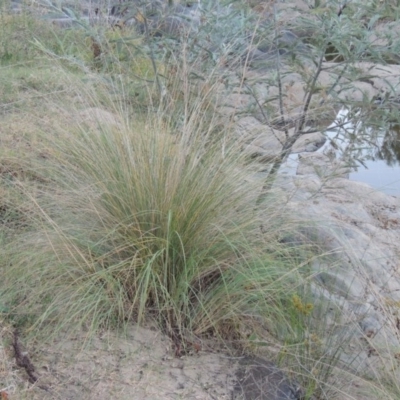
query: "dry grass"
140, 199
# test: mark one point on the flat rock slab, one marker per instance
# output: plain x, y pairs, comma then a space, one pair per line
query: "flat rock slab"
259, 379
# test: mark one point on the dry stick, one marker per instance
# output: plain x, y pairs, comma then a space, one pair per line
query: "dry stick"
278, 61
341, 8
23, 361
153, 63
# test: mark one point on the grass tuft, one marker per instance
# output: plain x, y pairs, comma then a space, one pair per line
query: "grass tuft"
147, 217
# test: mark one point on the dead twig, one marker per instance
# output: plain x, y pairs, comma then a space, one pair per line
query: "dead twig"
23, 361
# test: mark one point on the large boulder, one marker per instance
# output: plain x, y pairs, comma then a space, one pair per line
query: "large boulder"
358, 228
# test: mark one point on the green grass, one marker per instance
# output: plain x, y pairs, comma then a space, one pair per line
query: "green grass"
19, 33
139, 220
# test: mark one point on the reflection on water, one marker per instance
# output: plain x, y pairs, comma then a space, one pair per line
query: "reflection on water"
389, 151
376, 160
379, 162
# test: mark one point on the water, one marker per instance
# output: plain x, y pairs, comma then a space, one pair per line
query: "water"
379, 175
380, 167
380, 162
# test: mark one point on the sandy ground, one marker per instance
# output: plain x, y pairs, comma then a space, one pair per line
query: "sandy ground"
140, 365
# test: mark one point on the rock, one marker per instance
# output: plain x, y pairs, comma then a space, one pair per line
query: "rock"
309, 142
370, 326
322, 166
158, 17
258, 379
259, 140
339, 284
359, 229
264, 53
286, 42
169, 26
256, 58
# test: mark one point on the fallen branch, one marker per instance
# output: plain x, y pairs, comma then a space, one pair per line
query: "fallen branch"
23, 361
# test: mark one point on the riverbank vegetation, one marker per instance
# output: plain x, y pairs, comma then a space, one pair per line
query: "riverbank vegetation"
126, 195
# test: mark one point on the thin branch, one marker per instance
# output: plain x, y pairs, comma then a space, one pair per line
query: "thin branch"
263, 113
310, 94
291, 140
152, 58
341, 8
338, 79
278, 62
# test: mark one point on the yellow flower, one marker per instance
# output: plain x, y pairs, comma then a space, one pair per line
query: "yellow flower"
300, 306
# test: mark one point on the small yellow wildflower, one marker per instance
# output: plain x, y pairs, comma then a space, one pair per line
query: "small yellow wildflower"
303, 308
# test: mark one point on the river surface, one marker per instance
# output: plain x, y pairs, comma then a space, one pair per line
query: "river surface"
380, 167
379, 175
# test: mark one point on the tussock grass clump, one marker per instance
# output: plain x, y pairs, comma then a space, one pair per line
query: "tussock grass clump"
139, 220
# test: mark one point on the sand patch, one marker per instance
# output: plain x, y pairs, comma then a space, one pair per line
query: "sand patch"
139, 365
